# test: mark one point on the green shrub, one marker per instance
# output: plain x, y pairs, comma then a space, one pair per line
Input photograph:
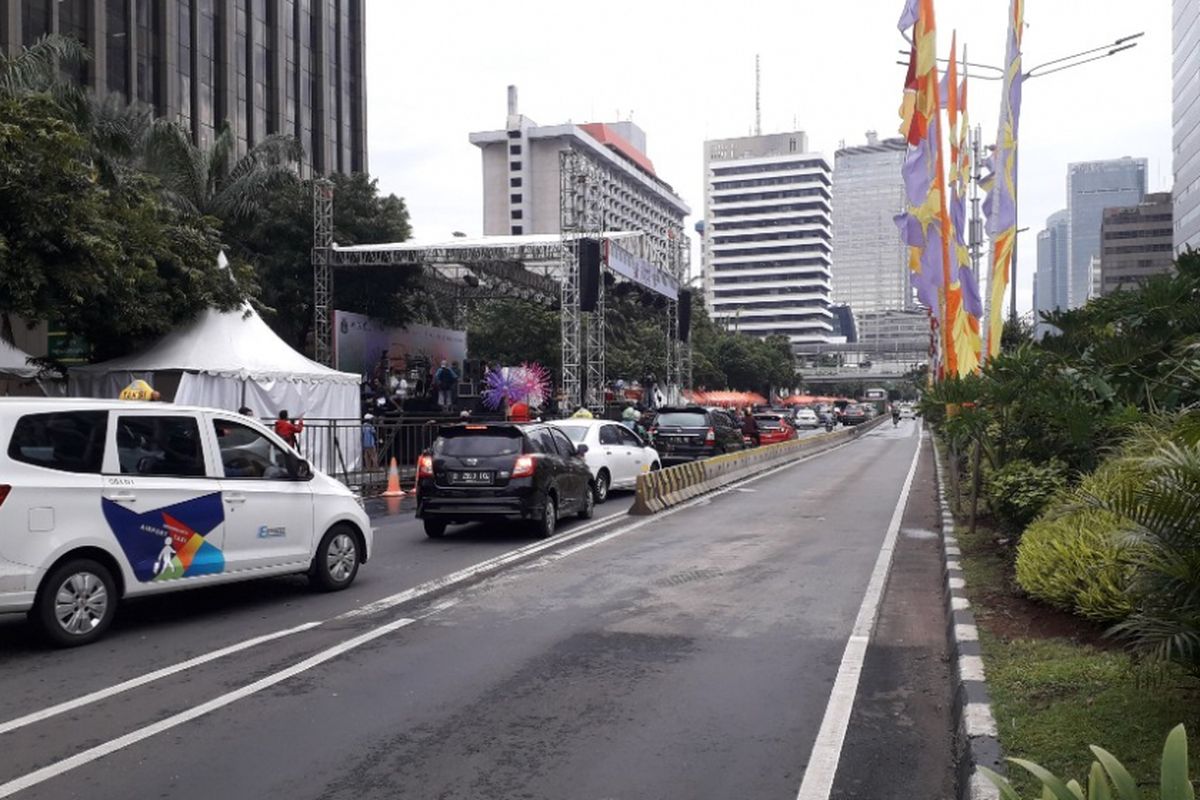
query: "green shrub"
1108, 779
1020, 490
1076, 560
1078, 557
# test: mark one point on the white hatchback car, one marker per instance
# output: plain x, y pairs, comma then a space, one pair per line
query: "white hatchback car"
103, 499
615, 455
807, 418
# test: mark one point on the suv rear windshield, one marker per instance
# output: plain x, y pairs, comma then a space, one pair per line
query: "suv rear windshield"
486, 441
69, 441
682, 419
767, 421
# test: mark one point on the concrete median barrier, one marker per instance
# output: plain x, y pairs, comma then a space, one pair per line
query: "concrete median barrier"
668, 487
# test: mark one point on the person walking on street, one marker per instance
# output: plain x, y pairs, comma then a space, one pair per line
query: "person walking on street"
445, 379
288, 429
750, 427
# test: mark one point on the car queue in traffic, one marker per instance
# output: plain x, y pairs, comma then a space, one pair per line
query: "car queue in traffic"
104, 501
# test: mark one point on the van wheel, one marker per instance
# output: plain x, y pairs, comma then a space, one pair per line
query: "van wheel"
76, 604
435, 529
336, 562
545, 527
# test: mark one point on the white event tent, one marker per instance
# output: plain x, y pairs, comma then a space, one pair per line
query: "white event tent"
228, 360
14, 362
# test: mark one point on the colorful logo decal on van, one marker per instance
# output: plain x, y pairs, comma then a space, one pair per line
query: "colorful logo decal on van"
169, 542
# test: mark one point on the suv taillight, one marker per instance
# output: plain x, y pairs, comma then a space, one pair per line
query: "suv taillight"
4, 490
710, 437
425, 466
523, 467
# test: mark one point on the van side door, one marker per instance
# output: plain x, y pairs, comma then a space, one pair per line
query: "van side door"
160, 496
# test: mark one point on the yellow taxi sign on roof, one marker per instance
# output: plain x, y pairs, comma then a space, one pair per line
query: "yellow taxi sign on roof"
138, 390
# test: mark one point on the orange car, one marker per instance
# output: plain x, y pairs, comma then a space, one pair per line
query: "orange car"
774, 428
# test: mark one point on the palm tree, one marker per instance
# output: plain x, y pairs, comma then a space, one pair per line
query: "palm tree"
213, 180
1163, 515
35, 69
116, 129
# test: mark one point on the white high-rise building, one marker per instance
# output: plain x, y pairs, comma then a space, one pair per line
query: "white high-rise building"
521, 179
768, 237
1185, 105
870, 261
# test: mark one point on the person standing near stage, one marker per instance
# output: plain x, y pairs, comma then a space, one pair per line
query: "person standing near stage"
445, 379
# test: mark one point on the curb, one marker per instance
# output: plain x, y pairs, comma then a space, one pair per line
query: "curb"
978, 742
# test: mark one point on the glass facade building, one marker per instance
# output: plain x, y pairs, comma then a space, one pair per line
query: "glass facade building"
294, 67
870, 263
768, 237
1185, 116
1050, 285
1093, 186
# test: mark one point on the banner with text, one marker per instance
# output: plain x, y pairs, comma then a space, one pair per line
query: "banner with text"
639, 270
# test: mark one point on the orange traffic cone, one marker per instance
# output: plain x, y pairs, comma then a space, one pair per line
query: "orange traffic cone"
393, 487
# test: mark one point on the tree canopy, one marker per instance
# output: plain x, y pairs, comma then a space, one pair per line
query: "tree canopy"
113, 265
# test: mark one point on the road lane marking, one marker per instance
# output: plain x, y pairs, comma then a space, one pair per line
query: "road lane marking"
149, 677
107, 748
817, 783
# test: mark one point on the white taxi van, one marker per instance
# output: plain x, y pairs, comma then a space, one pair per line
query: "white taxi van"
106, 499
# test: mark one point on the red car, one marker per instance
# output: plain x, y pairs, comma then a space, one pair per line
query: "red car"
774, 428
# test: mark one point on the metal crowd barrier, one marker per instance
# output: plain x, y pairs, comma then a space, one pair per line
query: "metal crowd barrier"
337, 447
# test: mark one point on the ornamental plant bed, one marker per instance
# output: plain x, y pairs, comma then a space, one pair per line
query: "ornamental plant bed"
1058, 684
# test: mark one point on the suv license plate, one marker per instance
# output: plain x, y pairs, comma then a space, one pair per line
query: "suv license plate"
474, 478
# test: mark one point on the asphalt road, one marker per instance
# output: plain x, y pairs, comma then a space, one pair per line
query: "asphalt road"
686, 655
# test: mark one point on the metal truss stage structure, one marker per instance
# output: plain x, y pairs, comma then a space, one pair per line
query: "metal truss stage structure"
540, 268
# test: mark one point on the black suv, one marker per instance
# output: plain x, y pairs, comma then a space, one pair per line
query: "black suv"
474, 473
690, 433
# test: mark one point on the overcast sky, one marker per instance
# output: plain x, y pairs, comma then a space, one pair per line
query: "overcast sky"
684, 72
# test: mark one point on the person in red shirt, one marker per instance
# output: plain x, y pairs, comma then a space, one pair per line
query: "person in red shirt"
289, 430
519, 412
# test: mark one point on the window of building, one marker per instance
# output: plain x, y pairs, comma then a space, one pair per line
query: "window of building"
517, 230
166, 445
514, 165
515, 183
514, 198
149, 56
116, 49
514, 134
514, 149
516, 213
183, 64
35, 22
71, 441
73, 23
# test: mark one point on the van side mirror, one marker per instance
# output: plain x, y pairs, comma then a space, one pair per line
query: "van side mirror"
299, 469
